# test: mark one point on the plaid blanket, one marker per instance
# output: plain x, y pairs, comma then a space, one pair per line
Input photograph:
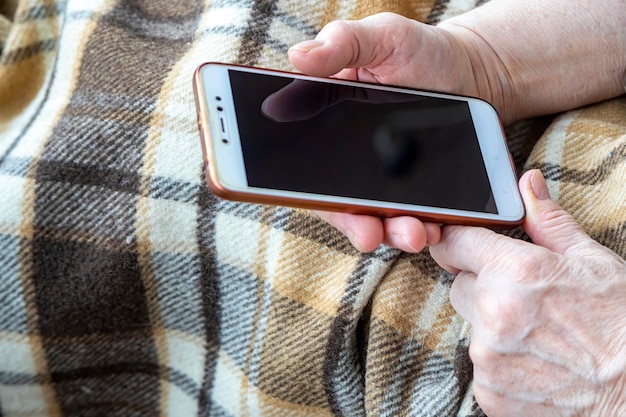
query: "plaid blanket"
127, 289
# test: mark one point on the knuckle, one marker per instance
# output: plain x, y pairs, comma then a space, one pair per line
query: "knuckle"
482, 357
529, 265
530, 268
506, 321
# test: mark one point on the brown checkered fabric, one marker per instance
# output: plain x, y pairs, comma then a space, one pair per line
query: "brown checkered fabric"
127, 289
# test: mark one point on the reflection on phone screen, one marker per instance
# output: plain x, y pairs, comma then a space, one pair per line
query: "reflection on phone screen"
359, 142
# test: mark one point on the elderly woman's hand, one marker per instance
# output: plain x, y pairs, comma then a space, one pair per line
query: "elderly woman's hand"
389, 49
498, 52
548, 318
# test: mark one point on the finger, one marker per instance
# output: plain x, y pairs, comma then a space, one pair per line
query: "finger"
465, 248
410, 234
364, 232
336, 47
546, 223
494, 404
462, 295
347, 44
433, 232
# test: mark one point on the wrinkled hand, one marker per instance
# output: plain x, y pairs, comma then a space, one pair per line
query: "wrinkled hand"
491, 52
388, 49
548, 319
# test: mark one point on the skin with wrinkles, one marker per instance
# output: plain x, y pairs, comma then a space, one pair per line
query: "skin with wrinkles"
536, 69
548, 321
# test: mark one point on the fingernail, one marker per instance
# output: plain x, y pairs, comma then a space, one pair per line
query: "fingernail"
405, 239
306, 46
540, 188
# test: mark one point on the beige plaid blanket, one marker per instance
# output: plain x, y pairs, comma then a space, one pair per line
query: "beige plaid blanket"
127, 289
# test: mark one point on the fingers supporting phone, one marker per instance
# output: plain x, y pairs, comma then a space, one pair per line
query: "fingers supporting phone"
410, 234
366, 233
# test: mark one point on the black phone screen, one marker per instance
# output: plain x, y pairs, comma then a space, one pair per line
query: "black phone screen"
338, 140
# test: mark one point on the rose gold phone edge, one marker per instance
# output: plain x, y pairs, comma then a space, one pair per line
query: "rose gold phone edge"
219, 190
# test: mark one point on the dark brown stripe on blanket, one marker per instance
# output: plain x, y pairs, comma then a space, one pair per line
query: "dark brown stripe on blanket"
439, 8
39, 13
256, 34
86, 192
121, 367
313, 228
83, 174
614, 238
593, 176
343, 365
83, 289
301, 349
16, 55
211, 313
385, 344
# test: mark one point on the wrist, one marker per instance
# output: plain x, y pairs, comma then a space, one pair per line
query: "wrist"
551, 56
612, 372
489, 74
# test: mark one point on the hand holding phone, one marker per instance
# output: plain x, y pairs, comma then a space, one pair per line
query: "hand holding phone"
281, 138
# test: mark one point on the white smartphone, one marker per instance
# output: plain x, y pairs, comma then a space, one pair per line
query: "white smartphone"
281, 138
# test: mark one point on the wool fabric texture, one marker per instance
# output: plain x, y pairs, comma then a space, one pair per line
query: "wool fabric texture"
128, 289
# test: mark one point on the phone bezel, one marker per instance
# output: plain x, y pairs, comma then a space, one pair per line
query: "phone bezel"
226, 170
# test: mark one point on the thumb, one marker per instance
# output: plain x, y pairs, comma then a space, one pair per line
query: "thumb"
349, 44
340, 44
546, 223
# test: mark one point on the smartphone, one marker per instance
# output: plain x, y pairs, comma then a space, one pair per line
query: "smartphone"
281, 138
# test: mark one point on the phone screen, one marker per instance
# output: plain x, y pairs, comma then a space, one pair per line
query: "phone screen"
338, 140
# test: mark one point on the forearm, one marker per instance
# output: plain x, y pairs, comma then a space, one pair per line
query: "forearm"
545, 56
